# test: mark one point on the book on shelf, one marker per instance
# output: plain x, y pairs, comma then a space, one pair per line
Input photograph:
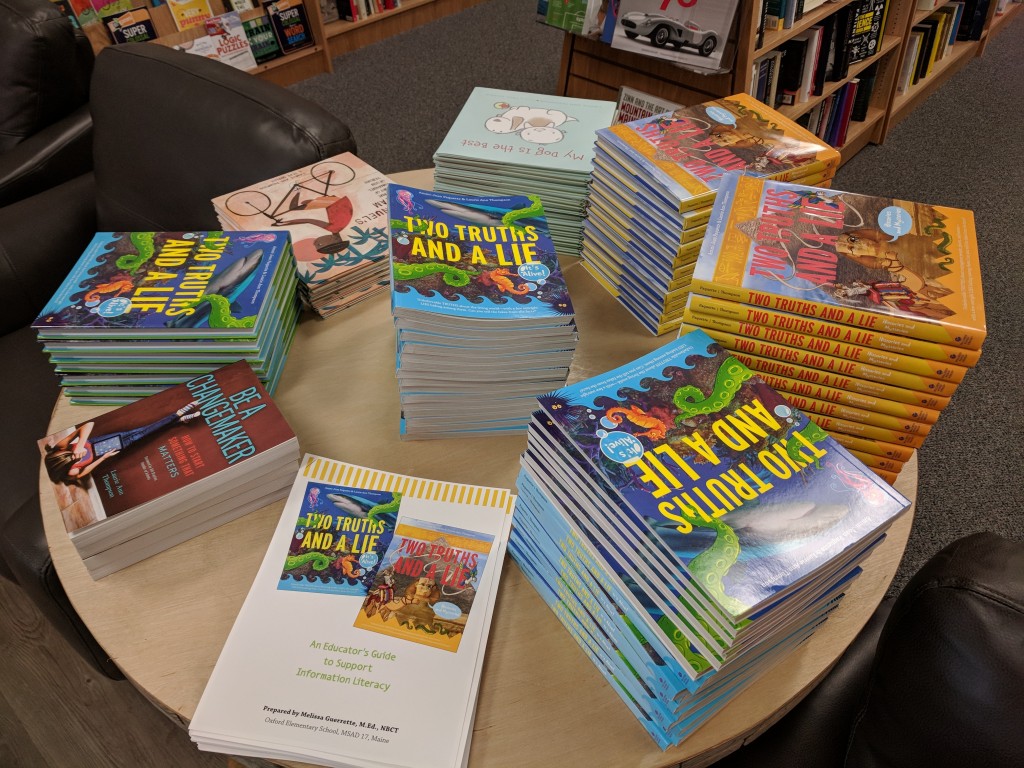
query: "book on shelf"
188, 14
291, 24
633, 104
693, 37
329, 11
634, 484
135, 26
107, 9
889, 265
478, 299
335, 211
866, 32
862, 99
795, 54
262, 39
580, 17
401, 574
908, 74
144, 477
225, 41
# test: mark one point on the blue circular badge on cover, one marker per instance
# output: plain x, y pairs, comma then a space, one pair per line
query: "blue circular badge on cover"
446, 610
720, 115
621, 447
894, 221
114, 307
368, 559
534, 272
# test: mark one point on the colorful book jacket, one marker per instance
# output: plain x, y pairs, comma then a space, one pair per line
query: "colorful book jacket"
160, 445
748, 495
340, 535
225, 40
291, 24
426, 584
335, 211
886, 265
487, 258
690, 150
171, 283
189, 13
261, 39
691, 34
531, 129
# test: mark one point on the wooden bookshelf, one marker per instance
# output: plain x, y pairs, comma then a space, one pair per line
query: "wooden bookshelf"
591, 69
329, 40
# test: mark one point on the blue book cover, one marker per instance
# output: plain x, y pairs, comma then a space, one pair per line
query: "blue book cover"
169, 283
340, 536
531, 129
482, 258
747, 493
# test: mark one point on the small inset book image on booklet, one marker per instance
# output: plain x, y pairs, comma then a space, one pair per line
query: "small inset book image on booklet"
426, 584
339, 536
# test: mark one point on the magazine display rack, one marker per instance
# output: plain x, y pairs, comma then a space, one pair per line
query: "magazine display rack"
329, 39
591, 69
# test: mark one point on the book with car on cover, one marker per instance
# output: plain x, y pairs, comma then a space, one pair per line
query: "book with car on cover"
689, 151
692, 35
701, 457
879, 263
388, 677
162, 461
167, 284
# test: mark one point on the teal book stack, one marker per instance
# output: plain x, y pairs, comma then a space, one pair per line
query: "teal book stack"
141, 311
483, 316
511, 143
689, 527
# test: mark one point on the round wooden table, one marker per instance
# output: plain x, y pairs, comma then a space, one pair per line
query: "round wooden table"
164, 620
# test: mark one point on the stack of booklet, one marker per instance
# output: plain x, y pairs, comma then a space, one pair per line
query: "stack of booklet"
362, 639
144, 310
689, 527
654, 181
865, 311
510, 143
140, 479
336, 213
483, 315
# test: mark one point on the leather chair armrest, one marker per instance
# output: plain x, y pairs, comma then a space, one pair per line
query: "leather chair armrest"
55, 154
23, 546
41, 238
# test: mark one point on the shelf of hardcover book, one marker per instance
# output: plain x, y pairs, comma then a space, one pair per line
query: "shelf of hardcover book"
774, 38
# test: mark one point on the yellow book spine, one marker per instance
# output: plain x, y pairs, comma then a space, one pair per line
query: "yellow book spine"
878, 462
831, 364
873, 447
840, 411
867, 431
839, 381
903, 345
833, 347
878, 405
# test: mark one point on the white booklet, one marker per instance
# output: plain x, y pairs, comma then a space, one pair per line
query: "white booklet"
362, 637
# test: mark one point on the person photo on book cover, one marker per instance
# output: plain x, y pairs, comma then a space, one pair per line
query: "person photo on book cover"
73, 458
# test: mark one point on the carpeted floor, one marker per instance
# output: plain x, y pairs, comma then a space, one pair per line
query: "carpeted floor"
962, 147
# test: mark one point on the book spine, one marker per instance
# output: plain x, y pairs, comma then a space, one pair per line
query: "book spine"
874, 447
868, 432
829, 346
902, 345
904, 411
918, 329
889, 477
878, 462
839, 381
732, 341
860, 415
849, 94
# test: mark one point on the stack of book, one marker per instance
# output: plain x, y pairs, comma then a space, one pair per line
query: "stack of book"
653, 184
145, 477
335, 212
689, 527
362, 639
865, 311
483, 315
509, 143
141, 311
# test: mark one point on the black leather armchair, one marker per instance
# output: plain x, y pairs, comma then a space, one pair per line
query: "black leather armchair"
935, 679
45, 126
170, 131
